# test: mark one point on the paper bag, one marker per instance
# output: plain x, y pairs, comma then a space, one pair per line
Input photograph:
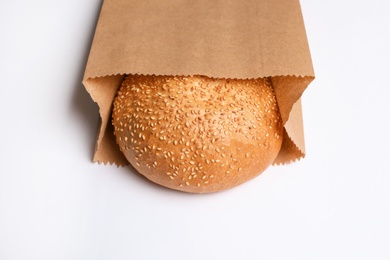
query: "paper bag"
221, 39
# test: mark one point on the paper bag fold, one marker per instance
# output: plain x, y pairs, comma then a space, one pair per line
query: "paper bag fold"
220, 39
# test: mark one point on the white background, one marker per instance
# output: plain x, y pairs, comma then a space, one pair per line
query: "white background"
56, 204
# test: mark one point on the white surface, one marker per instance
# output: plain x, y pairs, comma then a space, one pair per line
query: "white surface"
56, 204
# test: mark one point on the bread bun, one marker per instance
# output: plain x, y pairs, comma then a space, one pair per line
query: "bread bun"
197, 134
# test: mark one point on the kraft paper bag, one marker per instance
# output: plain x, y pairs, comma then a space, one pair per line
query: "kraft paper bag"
222, 39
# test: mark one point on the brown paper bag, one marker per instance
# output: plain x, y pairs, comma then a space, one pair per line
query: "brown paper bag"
220, 39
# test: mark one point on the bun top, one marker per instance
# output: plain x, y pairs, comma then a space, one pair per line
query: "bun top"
197, 134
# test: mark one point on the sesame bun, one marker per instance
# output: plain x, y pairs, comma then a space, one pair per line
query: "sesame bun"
197, 134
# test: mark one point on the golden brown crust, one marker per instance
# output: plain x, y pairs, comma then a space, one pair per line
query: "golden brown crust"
197, 134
